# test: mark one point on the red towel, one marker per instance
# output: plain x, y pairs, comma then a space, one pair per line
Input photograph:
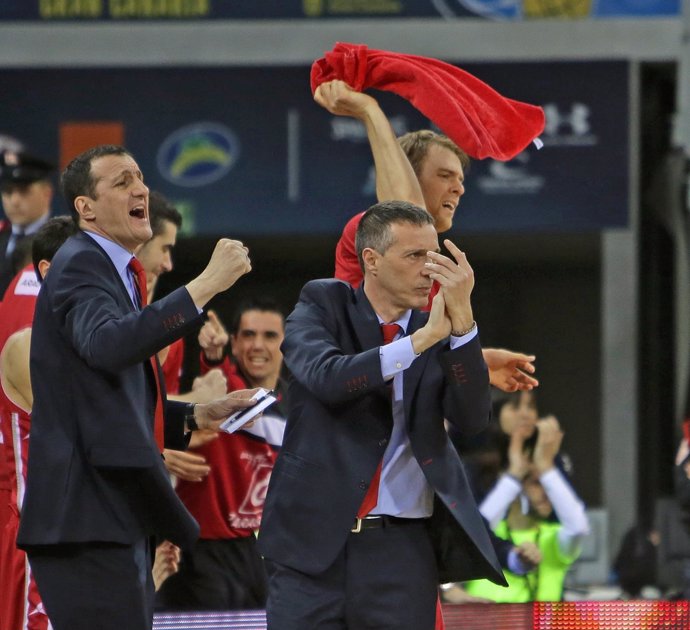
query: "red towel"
476, 117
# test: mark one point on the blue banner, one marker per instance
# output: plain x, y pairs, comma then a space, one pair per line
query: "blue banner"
89, 10
247, 151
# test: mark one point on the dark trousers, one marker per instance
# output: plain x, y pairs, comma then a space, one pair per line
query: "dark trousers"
384, 579
225, 574
95, 585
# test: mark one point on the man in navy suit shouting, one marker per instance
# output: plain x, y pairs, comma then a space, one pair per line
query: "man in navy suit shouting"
97, 491
352, 528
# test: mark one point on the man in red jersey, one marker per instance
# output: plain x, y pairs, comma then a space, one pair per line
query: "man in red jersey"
20, 603
224, 570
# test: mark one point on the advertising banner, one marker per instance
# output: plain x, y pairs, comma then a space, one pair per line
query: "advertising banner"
89, 10
247, 151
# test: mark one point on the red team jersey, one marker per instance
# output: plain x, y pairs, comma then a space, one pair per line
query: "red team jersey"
18, 304
16, 312
172, 367
20, 604
229, 502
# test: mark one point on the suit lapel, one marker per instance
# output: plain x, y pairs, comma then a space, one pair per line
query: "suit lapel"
125, 298
125, 302
365, 324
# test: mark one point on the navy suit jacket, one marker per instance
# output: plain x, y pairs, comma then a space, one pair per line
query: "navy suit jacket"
94, 471
338, 426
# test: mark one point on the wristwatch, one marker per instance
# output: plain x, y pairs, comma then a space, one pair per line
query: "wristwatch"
189, 418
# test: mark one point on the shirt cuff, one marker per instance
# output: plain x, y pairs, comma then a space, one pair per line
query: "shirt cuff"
517, 566
396, 357
550, 477
456, 342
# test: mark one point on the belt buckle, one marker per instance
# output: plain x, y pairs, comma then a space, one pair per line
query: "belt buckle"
357, 527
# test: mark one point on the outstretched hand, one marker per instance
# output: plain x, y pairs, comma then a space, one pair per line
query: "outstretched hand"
510, 371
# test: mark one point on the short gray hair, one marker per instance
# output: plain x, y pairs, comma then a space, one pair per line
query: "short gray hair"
374, 231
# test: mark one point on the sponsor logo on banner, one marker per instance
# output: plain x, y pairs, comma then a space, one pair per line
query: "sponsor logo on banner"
511, 178
27, 284
492, 9
198, 154
568, 127
351, 130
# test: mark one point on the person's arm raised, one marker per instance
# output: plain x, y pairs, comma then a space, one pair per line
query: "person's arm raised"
229, 262
395, 178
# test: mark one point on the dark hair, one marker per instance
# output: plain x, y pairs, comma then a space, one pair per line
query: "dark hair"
416, 145
77, 179
374, 231
49, 238
500, 399
161, 210
260, 303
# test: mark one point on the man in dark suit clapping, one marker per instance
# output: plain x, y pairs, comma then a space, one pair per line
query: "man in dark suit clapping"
367, 475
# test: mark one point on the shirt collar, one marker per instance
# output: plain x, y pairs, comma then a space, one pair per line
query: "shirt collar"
118, 254
402, 322
32, 228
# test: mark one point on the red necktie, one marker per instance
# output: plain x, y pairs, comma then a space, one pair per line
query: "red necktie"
158, 422
372, 496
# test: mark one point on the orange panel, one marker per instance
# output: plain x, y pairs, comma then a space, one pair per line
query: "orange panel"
76, 137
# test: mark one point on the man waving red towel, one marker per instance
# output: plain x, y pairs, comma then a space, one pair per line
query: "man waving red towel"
476, 117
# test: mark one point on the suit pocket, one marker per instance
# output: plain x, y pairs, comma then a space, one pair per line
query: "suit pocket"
296, 467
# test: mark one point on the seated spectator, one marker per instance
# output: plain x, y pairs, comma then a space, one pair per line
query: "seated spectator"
519, 507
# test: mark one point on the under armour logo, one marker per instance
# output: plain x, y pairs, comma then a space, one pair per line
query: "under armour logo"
577, 119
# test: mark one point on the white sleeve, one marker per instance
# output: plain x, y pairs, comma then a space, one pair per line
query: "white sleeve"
396, 357
569, 510
456, 342
495, 505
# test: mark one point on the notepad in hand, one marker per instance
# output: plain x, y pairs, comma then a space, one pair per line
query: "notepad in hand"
264, 398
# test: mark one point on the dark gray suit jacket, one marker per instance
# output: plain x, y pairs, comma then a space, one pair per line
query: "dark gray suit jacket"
95, 472
339, 422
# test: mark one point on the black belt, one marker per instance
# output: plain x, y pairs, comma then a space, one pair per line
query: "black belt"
378, 521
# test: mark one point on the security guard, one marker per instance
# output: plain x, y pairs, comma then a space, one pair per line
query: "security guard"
26, 193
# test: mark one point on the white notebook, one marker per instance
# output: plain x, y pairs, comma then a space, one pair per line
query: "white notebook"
264, 398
